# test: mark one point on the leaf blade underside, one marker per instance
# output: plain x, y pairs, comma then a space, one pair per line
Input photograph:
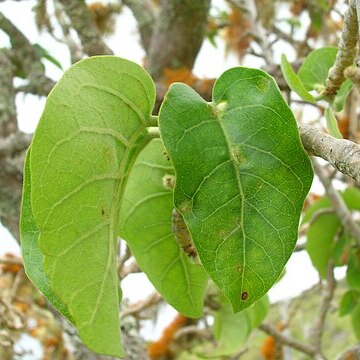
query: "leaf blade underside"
91, 130
241, 178
145, 220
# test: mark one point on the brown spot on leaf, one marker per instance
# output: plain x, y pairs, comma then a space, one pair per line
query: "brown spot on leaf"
244, 295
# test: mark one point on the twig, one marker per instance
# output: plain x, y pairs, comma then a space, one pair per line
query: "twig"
144, 14
343, 154
132, 268
82, 22
338, 204
193, 330
11, 261
25, 56
319, 326
347, 51
150, 301
306, 349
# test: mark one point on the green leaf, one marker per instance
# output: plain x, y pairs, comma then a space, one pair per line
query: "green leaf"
43, 53
230, 330
348, 302
31, 254
241, 178
332, 124
315, 68
314, 72
353, 270
355, 320
146, 225
92, 128
351, 197
320, 241
258, 311
294, 81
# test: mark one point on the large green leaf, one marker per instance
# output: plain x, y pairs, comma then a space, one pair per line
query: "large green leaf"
355, 320
146, 224
348, 302
353, 270
241, 178
320, 241
32, 256
92, 128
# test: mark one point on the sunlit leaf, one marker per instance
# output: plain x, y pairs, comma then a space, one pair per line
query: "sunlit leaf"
91, 130
145, 222
241, 178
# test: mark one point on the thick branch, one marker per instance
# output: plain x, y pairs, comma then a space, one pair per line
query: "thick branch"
82, 22
338, 204
8, 122
144, 15
306, 349
343, 154
347, 51
25, 57
178, 35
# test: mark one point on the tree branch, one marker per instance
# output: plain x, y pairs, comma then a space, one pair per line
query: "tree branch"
25, 57
338, 204
178, 34
144, 14
344, 155
306, 349
319, 326
347, 51
84, 25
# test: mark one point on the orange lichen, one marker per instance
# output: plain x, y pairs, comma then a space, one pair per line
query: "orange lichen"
268, 348
310, 199
182, 74
10, 268
160, 347
238, 32
103, 16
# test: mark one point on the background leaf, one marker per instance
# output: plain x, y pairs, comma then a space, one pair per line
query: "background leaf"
348, 302
241, 179
355, 320
146, 225
320, 241
294, 81
90, 132
314, 72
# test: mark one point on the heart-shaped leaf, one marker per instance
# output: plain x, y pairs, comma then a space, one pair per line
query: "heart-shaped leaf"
92, 128
146, 225
241, 178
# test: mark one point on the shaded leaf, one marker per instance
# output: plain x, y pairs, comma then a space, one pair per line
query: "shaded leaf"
241, 179
351, 197
294, 81
355, 320
348, 302
92, 128
145, 220
353, 270
320, 241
